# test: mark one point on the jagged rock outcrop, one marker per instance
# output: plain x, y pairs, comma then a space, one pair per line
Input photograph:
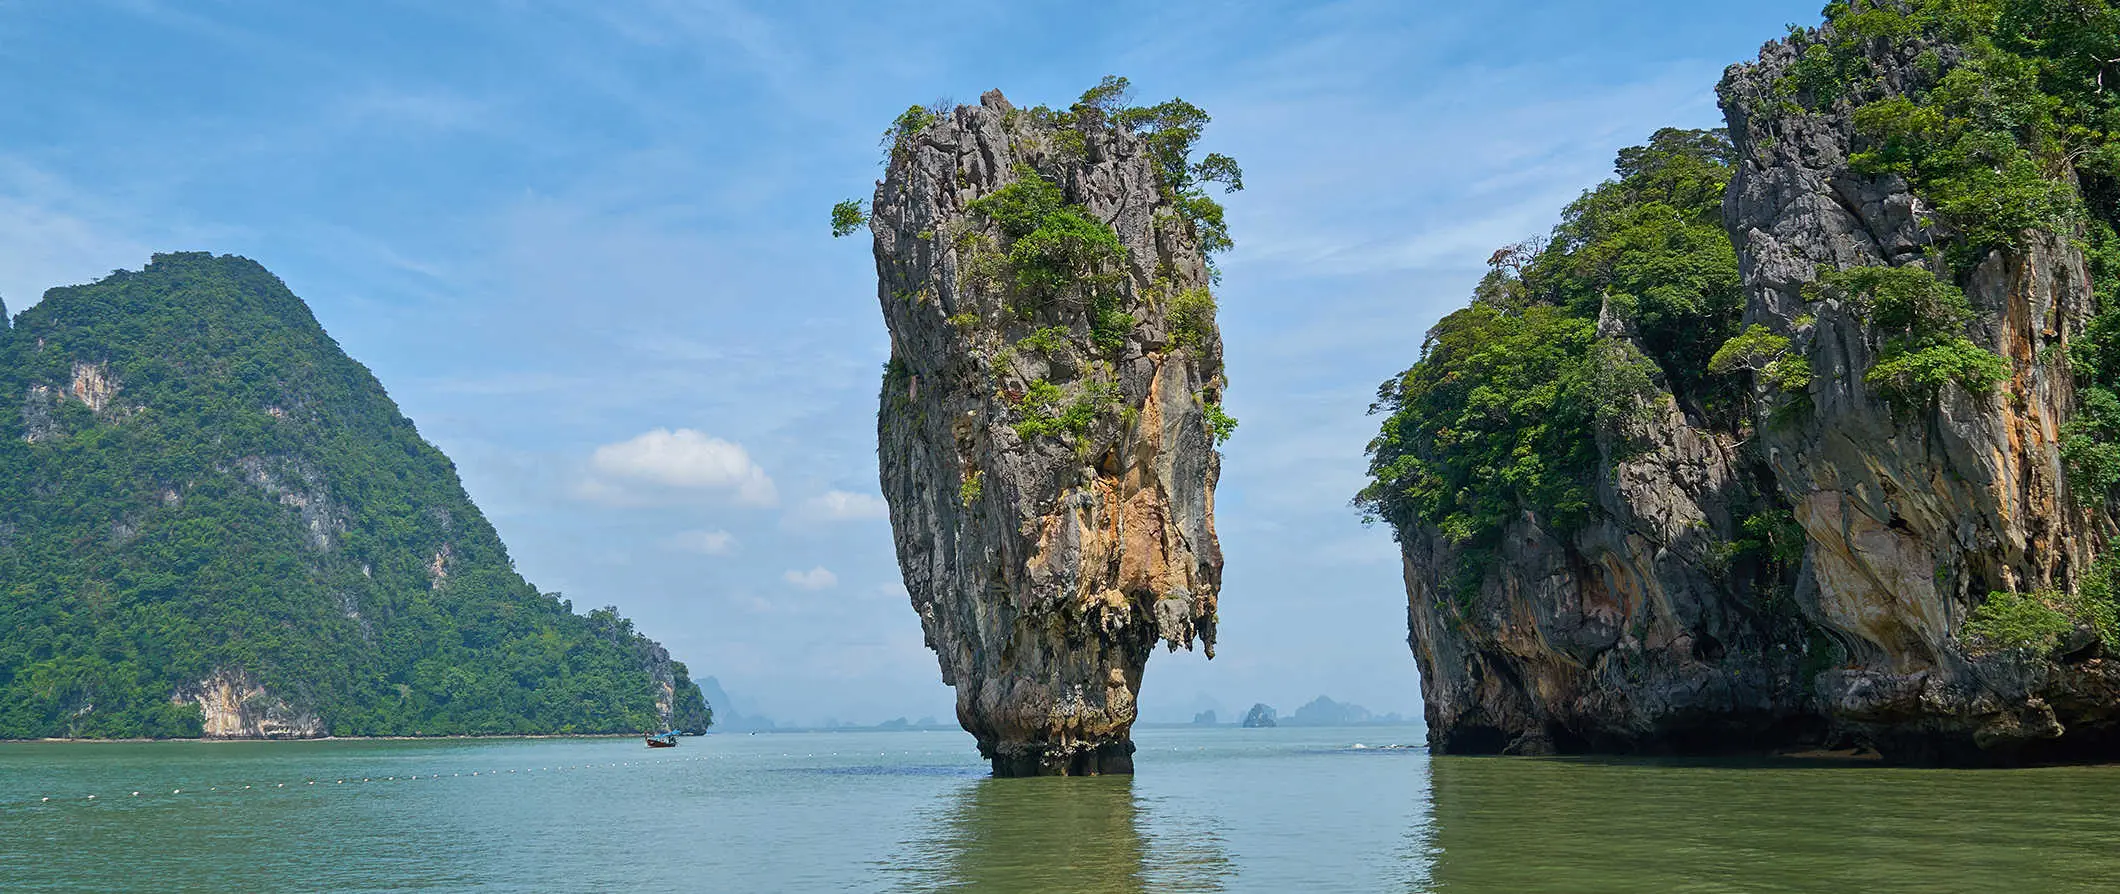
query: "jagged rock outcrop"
1043, 432
234, 705
1633, 632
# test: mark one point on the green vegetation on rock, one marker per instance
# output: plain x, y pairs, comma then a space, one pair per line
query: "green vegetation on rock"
195, 480
1502, 414
2007, 94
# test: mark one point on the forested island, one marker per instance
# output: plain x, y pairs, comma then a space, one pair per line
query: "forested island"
215, 523
1801, 432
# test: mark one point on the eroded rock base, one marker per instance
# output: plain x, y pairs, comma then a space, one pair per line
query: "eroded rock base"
1105, 759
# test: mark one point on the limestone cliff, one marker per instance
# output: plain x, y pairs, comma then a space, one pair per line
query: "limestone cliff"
1911, 460
1912, 516
234, 705
1047, 424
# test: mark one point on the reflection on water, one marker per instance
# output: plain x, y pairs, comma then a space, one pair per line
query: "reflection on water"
1076, 834
1522, 825
1213, 810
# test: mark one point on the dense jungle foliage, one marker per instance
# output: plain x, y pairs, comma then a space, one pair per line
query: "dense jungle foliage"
195, 479
1504, 410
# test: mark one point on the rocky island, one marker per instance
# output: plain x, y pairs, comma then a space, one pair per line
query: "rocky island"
1049, 417
214, 523
1803, 433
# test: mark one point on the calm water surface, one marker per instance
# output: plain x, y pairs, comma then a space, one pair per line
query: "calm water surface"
1211, 810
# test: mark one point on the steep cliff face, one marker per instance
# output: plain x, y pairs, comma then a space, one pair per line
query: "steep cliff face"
1913, 514
1629, 633
1881, 545
1046, 428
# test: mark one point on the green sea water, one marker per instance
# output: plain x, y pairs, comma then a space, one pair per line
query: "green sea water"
1210, 810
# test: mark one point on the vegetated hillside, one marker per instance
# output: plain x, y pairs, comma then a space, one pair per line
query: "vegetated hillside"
213, 521
1051, 409
1803, 432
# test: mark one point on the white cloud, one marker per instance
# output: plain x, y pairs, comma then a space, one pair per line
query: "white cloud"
814, 579
682, 459
841, 505
706, 543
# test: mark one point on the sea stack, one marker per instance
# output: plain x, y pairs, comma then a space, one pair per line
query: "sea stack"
1049, 417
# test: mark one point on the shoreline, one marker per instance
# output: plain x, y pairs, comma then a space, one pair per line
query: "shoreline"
217, 740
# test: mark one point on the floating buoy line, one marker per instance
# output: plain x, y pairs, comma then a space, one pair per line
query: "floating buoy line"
276, 787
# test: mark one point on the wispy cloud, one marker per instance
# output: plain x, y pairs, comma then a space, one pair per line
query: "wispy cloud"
840, 505
663, 465
817, 578
705, 543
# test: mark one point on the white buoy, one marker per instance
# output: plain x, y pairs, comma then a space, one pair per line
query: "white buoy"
43, 799
91, 797
136, 794
176, 791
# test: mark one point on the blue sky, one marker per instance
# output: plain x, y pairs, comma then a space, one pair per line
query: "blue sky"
584, 245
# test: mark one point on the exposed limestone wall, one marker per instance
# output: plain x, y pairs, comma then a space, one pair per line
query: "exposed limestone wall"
1913, 517
236, 706
1045, 566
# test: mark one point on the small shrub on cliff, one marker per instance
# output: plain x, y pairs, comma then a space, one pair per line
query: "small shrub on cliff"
1045, 410
2028, 621
1621, 380
1045, 339
849, 216
1220, 424
1916, 374
1755, 349
1192, 319
1054, 249
909, 124
2090, 446
1773, 536
1922, 320
969, 491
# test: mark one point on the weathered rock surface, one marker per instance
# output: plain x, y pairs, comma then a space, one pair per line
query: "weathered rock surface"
1045, 565
1633, 634
1912, 518
236, 706
1628, 635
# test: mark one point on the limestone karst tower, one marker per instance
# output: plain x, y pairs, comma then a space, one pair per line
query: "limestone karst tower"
1048, 420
